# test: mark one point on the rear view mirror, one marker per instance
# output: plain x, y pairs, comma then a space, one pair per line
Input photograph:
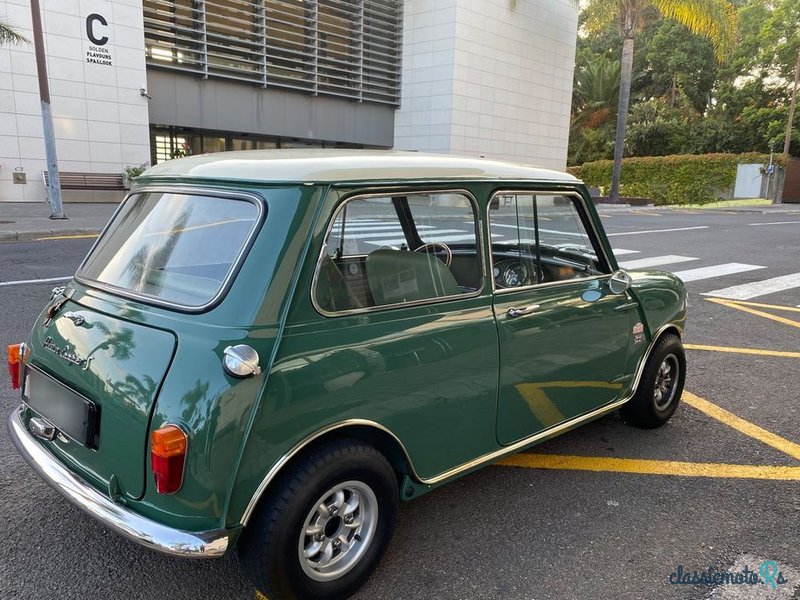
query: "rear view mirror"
620, 282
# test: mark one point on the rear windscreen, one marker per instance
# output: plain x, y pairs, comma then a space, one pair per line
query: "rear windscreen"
174, 247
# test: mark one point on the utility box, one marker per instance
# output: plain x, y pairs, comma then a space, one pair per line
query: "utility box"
20, 177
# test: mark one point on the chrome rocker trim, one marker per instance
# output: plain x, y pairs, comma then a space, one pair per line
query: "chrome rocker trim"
122, 520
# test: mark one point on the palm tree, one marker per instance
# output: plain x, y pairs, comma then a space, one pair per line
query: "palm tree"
8, 36
595, 96
714, 19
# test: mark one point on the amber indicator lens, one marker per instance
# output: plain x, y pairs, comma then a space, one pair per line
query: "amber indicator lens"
168, 455
14, 364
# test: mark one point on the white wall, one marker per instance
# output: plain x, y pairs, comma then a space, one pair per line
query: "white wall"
100, 118
481, 79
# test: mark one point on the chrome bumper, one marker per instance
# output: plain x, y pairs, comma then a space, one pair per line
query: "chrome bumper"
148, 533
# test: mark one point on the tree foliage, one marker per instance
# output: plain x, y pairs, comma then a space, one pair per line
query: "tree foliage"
683, 100
9, 36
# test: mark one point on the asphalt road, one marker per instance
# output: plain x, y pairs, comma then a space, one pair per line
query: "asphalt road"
507, 532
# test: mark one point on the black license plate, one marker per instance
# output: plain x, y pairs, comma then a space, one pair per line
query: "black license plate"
72, 414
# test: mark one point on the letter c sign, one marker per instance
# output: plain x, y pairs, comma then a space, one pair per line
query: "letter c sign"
90, 22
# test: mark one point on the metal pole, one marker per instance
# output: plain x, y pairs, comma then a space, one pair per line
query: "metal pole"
54, 189
788, 140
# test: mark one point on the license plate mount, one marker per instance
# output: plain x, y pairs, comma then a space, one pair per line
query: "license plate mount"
72, 414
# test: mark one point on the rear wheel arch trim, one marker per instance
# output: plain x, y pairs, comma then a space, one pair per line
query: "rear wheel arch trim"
340, 427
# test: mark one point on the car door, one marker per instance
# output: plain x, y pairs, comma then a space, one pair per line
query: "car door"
402, 338
565, 337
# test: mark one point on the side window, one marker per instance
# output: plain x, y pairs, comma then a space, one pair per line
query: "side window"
540, 238
392, 250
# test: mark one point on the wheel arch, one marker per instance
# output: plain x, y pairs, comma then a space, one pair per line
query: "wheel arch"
370, 432
666, 329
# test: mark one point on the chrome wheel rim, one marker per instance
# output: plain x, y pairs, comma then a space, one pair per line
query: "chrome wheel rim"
338, 530
666, 382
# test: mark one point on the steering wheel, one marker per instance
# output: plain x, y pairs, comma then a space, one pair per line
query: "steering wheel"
432, 246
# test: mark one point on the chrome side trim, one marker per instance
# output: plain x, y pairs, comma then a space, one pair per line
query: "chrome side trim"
119, 518
469, 465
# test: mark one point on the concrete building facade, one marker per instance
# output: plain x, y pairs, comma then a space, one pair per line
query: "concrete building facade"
136, 81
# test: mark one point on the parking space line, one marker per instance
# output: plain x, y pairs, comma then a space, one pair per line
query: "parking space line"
656, 231
774, 223
746, 427
27, 281
775, 306
732, 350
67, 237
752, 311
650, 467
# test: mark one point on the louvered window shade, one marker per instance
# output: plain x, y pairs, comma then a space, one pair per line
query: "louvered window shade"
347, 48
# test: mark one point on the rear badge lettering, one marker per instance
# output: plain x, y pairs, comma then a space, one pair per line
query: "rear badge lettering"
67, 355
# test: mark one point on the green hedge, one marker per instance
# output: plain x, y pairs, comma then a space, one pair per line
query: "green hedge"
678, 179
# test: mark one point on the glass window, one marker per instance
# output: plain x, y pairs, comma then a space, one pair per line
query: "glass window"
212, 143
178, 248
398, 249
243, 144
540, 238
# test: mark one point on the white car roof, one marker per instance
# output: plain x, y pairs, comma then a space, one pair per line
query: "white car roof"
333, 166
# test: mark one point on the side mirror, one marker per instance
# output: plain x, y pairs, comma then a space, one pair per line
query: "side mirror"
619, 283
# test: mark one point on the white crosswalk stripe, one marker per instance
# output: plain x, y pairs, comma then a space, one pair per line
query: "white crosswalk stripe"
715, 271
754, 289
465, 237
623, 251
434, 234
655, 261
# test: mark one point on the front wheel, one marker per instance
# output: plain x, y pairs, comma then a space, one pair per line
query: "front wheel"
660, 388
323, 530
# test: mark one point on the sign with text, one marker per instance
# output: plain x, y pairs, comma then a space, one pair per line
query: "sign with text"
97, 30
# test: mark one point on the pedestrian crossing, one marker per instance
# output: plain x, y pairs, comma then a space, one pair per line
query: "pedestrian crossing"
376, 233
745, 291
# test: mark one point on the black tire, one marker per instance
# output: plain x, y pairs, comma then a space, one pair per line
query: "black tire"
270, 546
658, 394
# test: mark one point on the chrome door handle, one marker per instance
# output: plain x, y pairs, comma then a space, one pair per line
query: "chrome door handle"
526, 310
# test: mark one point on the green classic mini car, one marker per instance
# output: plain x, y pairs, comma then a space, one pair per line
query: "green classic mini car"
270, 349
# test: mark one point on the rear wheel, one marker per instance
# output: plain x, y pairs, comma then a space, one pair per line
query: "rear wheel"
660, 388
323, 530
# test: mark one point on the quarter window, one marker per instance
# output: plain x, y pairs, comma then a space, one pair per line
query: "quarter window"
540, 238
399, 249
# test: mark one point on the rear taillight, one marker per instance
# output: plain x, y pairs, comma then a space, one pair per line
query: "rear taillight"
14, 364
168, 455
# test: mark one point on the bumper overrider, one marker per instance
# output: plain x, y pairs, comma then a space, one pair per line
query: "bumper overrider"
148, 533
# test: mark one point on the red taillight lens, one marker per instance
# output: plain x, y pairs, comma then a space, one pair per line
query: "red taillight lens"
168, 455
14, 362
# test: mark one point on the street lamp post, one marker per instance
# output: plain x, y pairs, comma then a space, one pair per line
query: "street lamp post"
54, 187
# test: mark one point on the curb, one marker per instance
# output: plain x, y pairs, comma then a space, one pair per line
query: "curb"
27, 236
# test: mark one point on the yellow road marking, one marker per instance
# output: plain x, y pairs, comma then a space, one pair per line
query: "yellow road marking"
540, 404
746, 427
68, 237
743, 350
668, 467
762, 305
752, 311
650, 467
